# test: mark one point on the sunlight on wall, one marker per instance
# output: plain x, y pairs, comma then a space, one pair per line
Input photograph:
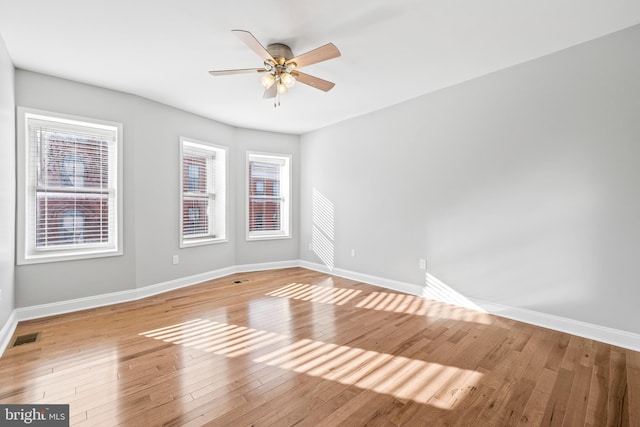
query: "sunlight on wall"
437, 290
315, 293
403, 377
323, 228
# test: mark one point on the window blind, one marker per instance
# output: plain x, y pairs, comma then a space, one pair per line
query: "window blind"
202, 193
198, 184
265, 200
71, 198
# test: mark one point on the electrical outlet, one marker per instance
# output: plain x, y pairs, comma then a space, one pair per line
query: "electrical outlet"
423, 264
310, 246
353, 252
176, 259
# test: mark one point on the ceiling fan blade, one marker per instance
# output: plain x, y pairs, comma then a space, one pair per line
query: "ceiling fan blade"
254, 44
312, 81
270, 92
323, 53
240, 71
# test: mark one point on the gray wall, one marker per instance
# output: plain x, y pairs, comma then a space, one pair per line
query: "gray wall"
265, 250
151, 194
156, 178
7, 185
519, 188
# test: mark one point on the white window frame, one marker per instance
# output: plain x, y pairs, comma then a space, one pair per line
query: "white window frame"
216, 188
27, 252
284, 161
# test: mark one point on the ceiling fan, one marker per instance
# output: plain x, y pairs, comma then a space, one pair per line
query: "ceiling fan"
281, 66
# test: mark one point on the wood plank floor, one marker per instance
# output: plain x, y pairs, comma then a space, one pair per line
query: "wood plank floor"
298, 347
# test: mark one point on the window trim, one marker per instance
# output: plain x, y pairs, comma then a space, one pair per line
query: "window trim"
285, 187
27, 253
221, 214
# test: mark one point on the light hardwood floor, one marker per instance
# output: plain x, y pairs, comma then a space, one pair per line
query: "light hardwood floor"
298, 347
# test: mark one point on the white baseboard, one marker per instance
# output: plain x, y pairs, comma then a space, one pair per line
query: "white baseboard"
395, 285
600, 333
244, 268
68, 306
44, 310
612, 336
182, 282
7, 331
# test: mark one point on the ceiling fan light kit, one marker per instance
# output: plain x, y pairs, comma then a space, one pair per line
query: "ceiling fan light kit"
281, 66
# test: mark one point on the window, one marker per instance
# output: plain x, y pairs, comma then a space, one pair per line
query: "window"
268, 213
69, 187
202, 194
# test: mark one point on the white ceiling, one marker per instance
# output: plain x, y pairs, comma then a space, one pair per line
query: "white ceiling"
391, 50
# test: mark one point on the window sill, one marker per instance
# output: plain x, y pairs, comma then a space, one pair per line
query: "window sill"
201, 242
255, 237
42, 258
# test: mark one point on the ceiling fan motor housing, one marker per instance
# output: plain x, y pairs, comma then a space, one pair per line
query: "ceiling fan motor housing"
280, 52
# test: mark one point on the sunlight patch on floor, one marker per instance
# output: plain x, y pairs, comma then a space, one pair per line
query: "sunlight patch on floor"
420, 306
437, 300
216, 337
315, 293
403, 377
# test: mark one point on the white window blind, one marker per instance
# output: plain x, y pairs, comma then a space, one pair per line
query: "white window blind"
268, 196
71, 188
202, 193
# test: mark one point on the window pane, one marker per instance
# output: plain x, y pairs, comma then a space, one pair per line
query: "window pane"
264, 192
202, 199
71, 187
195, 221
71, 219
266, 172
264, 215
72, 160
194, 173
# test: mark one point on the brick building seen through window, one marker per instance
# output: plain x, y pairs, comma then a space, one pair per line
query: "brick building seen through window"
71, 190
195, 206
264, 197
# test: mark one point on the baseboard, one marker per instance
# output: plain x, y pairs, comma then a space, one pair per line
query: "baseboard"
394, 285
244, 268
61, 307
599, 333
612, 336
7, 331
182, 282
69, 306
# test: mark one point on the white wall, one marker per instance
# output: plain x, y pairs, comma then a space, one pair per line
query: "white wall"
519, 188
151, 194
7, 186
